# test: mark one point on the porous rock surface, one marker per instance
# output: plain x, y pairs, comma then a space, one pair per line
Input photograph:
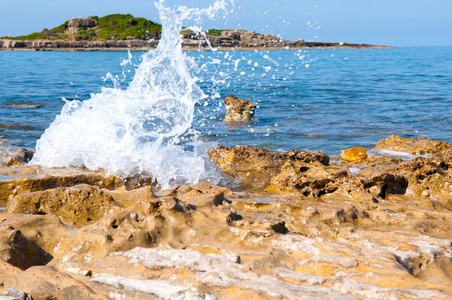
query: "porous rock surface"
10, 188
322, 229
256, 166
77, 206
238, 110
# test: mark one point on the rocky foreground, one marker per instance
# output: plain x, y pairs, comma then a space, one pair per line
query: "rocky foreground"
374, 225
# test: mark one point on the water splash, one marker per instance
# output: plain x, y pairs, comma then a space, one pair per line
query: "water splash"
137, 131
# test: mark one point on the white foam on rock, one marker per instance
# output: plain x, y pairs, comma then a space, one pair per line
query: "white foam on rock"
391, 153
137, 131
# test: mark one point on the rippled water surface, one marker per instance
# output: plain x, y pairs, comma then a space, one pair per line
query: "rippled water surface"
317, 100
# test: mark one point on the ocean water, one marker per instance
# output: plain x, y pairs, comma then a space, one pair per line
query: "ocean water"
316, 99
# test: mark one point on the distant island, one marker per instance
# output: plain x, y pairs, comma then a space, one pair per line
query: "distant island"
121, 32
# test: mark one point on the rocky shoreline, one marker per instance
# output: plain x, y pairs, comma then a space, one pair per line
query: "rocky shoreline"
228, 40
46, 45
371, 224
121, 32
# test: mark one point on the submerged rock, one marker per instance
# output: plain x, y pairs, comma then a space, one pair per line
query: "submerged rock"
26, 105
238, 110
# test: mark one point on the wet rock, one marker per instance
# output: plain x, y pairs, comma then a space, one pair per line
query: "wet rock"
13, 187
10, 156
413, 146
427, 177
447, 156
26, 105
380, 184
256, 166
380, 160
313, 180
76, 206
309, 175
238, 110
354, 154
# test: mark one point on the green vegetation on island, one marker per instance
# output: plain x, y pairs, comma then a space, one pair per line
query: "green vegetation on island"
120, 31
110, 27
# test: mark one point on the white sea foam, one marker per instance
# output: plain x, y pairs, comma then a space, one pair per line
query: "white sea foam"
391, 153
137, 130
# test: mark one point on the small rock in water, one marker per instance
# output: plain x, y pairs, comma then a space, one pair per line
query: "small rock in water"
14, 156
238, 110
26, 105
354, 154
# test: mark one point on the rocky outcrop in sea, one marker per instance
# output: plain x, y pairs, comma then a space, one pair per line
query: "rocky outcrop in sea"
222, 39
6, 44
227, 43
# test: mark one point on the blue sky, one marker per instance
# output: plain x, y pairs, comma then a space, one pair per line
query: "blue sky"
383, 22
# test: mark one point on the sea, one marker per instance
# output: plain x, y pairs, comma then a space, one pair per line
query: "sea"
311, 99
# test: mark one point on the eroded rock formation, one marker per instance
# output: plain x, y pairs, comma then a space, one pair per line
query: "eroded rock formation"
82, 22
312, 227
238, 110
256, 166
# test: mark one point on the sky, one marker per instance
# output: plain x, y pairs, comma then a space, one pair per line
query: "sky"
385, 22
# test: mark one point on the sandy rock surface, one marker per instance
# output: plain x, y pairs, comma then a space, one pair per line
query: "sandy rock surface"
302, 225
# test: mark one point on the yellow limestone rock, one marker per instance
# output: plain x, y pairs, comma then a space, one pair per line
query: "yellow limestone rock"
76, 206
238, 110
383, 232
413, 146
354, 154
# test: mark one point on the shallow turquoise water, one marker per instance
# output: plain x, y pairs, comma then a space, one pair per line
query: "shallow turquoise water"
317, 100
